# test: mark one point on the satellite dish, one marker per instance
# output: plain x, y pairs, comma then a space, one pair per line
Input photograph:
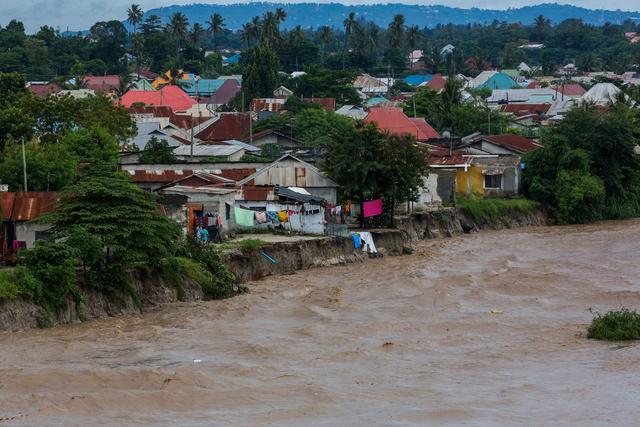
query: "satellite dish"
446, 134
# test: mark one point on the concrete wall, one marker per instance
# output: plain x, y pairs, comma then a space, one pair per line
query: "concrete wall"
26, 232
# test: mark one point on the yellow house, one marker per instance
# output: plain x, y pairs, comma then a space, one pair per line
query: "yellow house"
166, 78
470, 180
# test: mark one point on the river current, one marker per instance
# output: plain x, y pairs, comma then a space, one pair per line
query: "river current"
485, 329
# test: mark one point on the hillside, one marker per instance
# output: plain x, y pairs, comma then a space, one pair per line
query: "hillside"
333, 14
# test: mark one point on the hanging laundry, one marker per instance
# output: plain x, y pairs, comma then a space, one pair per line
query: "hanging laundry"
347, 208
372, 208
243, 217
211, 220
283, 216
367, 240
219, 220
272, 216
357, 242
338, 210
261, 217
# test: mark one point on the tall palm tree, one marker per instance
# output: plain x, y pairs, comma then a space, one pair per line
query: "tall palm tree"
152, 24
245, 33
178, 28
256, 28
325, 35
540, 25
396, 31
216, 24
270, 30
348, 24
134, 16
413, 35
281, 15
196, 34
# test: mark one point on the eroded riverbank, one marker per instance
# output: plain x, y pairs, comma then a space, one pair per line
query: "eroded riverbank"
394, 341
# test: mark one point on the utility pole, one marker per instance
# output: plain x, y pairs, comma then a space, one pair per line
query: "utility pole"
250, 123
24, 165
191, 146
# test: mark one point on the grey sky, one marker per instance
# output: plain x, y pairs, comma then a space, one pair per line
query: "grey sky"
81, 14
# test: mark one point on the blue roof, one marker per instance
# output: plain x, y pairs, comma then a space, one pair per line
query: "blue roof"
377, 100
204, 87
232, 59
418, 79
499, 81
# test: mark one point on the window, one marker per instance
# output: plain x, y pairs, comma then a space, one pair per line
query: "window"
43, 235
493, 181
227, 213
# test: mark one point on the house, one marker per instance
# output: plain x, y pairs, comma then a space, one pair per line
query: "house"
141, 85
149, 130
497, 81
270, 136
377, 100
524, 68
447, 50
200, 200
101, 84
17, 211
436, 83
233, 59
439, 186
167, 78
42, 89
523, 96
259, 105
603, 95
282, 92
415, 56
77, 93
520, 110
289, 171
200, 152
248, 148
417, 79
491, 176
503, 144
368, 84
395, 121
632, 36
569, 90
169, 95
152, 177
513, 73
356, 113
225, 126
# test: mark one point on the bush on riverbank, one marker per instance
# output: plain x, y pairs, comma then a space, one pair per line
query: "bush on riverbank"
620, 325
490, 211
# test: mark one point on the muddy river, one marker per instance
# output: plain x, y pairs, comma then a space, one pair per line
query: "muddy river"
486, 329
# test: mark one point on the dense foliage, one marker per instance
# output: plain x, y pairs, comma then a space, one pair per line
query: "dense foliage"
617, 325
368, 164
587, 169
157, 151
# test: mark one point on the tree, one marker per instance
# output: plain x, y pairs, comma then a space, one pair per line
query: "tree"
151, 25
124, 217
367, 163
178, 28
259, 79
157, 151
587, 168
413, 36
325, 36
134, 16
396, 32
216, 24
196, 34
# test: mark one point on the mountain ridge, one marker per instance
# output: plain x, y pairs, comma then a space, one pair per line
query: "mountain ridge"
332, 14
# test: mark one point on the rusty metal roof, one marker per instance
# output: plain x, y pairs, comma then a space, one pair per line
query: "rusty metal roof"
27, 206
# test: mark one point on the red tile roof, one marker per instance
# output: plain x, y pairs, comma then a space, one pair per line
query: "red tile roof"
170, 95
516, 143
227, 126
102, 84
436, 83
534, 85
571, 89
395, 121
520, 110
43, 90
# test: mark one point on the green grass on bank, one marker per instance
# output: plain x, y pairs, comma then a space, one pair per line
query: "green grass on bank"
620, 325
490, 211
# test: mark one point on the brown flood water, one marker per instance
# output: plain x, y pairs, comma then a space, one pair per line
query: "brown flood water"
392, 342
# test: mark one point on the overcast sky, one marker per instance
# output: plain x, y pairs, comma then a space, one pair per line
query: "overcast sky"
81, 14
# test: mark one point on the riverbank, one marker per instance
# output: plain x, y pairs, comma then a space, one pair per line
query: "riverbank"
247, 264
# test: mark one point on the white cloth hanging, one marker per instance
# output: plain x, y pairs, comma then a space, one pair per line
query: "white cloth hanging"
367, 242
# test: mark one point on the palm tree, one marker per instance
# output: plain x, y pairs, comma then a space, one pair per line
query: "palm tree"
541, 24
413, 35
451, 97
196, 34
325, 36
256, 28
151, 24
396, 31
281, 15
134, 16
348, 29
178, 28
270, 29
216, 24
245, 33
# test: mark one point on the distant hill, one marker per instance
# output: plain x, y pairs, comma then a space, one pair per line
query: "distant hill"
333, 14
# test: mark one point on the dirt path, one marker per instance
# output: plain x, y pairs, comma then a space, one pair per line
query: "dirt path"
397, 341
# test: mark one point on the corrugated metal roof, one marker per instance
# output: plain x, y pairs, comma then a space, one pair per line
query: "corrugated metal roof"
27, 206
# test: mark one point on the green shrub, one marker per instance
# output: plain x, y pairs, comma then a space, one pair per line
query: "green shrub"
8, 287
251, 245
620, 325
18, 282
53, 265
490, 210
